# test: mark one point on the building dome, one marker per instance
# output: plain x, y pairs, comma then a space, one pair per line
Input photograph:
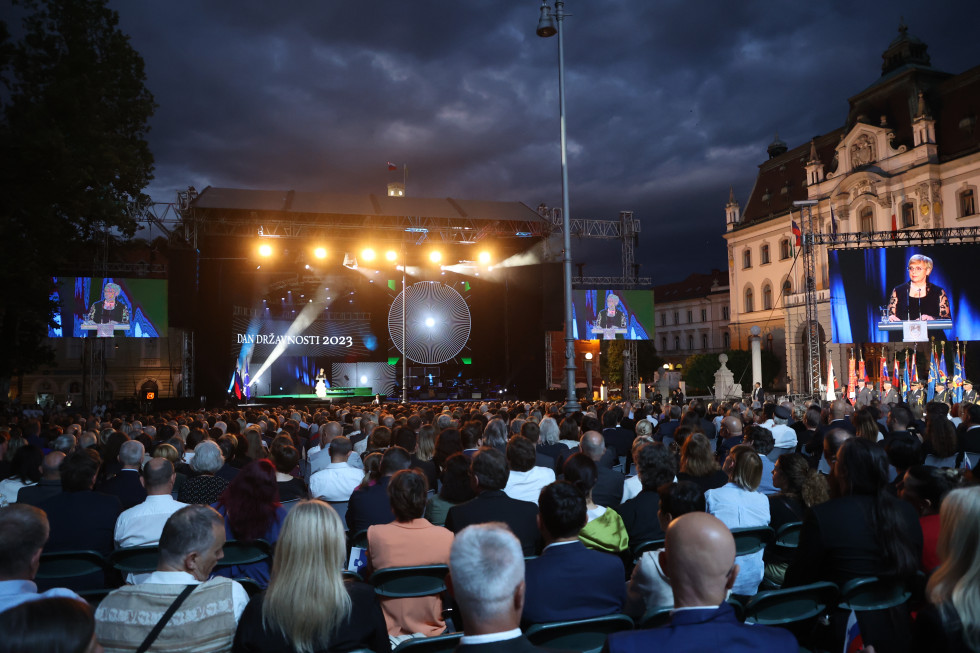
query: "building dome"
777, 147
904, 50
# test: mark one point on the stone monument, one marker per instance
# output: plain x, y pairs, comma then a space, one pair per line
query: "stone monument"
725, 386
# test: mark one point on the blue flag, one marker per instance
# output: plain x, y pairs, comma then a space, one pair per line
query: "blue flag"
933, 375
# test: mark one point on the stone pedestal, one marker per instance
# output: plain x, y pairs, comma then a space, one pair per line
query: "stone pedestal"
756, 356
725, 386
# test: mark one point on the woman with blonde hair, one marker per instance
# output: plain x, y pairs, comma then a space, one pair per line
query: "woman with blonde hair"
309, 607
951, 619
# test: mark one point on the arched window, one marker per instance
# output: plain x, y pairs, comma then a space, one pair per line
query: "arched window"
726, 340
766, 297
867, 219
748, 300
704, 341
663, 344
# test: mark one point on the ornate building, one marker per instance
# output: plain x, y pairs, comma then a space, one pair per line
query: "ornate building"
692, 316
906, 157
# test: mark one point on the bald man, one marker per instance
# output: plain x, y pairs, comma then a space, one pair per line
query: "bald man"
699, 560
729, 434
50, 483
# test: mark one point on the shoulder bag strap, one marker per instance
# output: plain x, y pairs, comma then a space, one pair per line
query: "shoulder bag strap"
158, 628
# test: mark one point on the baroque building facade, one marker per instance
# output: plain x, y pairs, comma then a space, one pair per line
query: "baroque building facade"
906, 157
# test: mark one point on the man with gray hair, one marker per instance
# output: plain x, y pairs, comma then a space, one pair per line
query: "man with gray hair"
65, 443
127, 484
190, 547
486, 573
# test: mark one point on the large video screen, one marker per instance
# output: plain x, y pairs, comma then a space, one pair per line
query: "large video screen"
904, 294
612, 314
91, 307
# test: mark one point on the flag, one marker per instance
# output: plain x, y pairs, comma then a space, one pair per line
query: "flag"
885, 377
906, 380
942, 362
831, 381
894, 225
958, 374
833, 223
862, 372
933, 375
897, 378
392, 167
914, 374
851, 375
853, 643
246, 381
798, 234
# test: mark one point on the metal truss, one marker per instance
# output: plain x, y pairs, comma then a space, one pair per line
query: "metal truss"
618, 282
901, 238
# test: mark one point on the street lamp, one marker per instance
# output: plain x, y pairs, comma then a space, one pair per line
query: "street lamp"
549, 24
588, 373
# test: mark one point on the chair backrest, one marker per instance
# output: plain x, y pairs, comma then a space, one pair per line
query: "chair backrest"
408, 582
790, 605
289, 505
873, 593
245, 553
341, 508
437, 644
359, 539
751, 540
788, 535
649, 545
655, 617
135, 559
252, 587
586, 635
69, 564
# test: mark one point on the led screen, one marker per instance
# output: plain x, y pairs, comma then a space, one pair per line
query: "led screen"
90, 307
612, 314
896, 294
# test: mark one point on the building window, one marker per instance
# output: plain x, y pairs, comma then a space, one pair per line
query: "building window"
787, 290
748, 301
677, 317
704, 315
968, 202
690, 317
704, 341
726, 340
764, 255
766, 297
746, 259
908, 215
784, 249
663, 319
867, 218
724, 312
690, 343
663, 344
677, 343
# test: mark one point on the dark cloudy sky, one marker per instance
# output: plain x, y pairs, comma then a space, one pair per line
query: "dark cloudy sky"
669, 103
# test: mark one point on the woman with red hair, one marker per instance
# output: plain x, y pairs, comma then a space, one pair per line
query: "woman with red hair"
251, 508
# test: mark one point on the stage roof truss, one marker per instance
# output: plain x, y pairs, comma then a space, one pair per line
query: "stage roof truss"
901, 238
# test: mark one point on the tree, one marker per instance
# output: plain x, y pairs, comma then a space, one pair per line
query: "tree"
73, 158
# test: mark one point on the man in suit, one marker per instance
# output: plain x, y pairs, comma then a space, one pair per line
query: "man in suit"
608, 490
968, 441
888, 394
668, 426
918, 396
490, 473
616, 437
555, 580
369, 505
699, 558
864, 394
729, 435
942, 394
758, 394
532, 432
127, 484
655, 466
486, 574
899, 419
50, 483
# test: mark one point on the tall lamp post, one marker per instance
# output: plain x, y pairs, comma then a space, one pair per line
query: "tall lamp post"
588, 374
549, 24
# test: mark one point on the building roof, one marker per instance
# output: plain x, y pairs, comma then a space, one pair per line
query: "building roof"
953, 101
693, 287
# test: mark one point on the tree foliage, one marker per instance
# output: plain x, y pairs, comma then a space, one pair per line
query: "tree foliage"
74, 160
699, 370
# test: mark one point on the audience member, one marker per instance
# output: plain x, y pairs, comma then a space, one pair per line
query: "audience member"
699, 558
25, 467
925, 487
27, 628
285, 458
604, 530
486, 571
555, 579
608, 490
698, 464
950, 621
800, 487
206, 487
526, 478
337, 479
142, 524
489, 472
50, 483
127, 484
738, 504
23, 533
309, 606
649, 586
408, 439
206, 619
655, 466
369, 504
410, 540
456, 489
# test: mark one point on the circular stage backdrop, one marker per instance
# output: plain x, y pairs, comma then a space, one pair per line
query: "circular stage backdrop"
437, 322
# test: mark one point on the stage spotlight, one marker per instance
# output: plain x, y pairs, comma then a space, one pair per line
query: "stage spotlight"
391, 255
320, 252
368, 254
435, 256
363, 379
484, 257
265, 249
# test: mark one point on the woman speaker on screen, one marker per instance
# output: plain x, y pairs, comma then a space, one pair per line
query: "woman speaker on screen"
918, 299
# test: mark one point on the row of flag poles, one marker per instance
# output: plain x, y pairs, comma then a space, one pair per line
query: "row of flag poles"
902, 376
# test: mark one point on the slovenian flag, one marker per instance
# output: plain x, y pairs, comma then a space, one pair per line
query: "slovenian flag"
798, 234
392, 167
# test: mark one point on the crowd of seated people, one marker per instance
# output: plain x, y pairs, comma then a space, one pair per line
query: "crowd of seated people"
881, 491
